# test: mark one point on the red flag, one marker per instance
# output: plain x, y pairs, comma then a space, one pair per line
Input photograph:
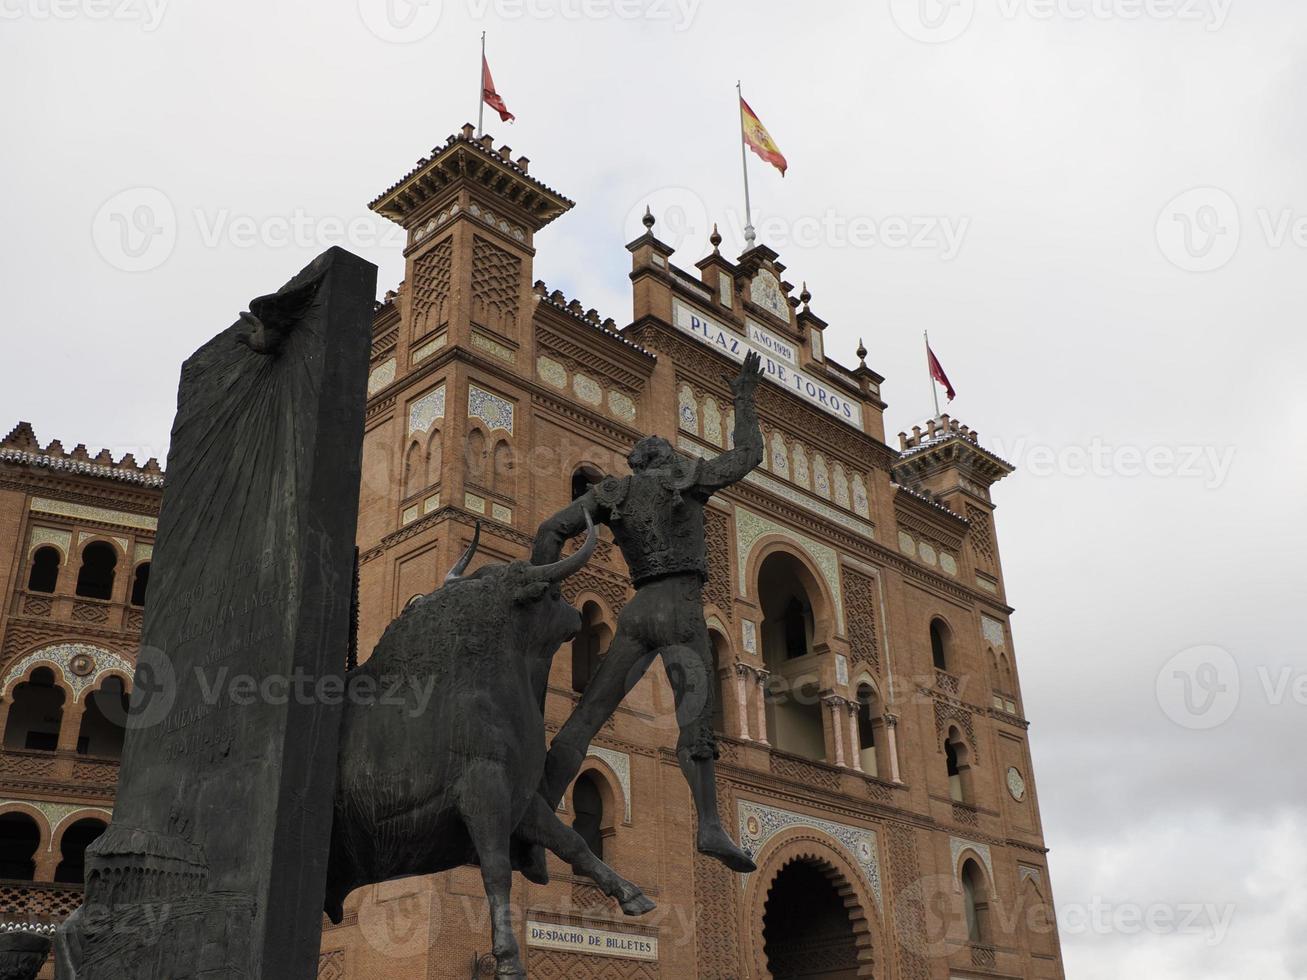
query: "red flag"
937, 372
490, 96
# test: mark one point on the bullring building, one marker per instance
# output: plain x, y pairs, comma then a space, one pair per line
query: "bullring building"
874, 749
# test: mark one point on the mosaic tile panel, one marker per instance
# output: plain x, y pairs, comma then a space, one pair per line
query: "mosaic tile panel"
56, 813
425, 410
495, 412
620, 763
957, 845
410, 515
101, 515
760, 823
621, 406
861, 507
63, 540
551, 372
62, 654
124, 545
501, 513
786, 492
928, 554
472, 502
749, 527
144, 552
712, 421
425, 350
948, 563
992, 630
382, 375
493, 347
688, 412
587, 389
906, 544
841, 669
749, 635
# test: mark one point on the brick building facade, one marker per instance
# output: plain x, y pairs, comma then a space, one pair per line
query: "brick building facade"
874, 752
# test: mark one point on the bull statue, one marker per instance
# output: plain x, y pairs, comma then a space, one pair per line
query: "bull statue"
425, 786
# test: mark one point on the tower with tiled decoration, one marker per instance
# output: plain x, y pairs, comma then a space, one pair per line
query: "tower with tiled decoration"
874, 753
874, 750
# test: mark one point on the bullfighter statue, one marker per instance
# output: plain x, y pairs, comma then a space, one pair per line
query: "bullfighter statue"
656, 517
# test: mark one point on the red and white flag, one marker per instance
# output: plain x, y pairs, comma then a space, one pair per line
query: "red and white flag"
937, 372
490, 96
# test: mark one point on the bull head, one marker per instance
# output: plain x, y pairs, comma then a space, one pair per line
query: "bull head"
539, 576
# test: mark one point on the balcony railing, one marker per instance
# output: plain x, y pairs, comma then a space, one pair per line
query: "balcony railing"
97, 775
78, 609
38, 901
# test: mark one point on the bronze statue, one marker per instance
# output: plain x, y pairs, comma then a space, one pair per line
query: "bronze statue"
427, 785
656, 516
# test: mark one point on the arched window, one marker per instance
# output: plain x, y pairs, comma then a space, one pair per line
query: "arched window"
102, 730
19, 839
414, 470
36, 713
870, 721
958, 761
720, 653
95, 578
475, 455
140, 583
72, 850
975, 902
505, 470
588, 813
588, 646
939, 644
583, 478
44, 576
794, 715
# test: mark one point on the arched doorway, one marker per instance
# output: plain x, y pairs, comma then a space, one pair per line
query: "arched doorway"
72, 850
807, 931
102, 730
19, 839
36, 714
786, 593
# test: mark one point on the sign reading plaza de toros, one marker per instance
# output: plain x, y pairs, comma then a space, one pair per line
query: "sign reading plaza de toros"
778, 357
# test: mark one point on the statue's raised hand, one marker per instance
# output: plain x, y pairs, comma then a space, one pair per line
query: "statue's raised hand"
746, 382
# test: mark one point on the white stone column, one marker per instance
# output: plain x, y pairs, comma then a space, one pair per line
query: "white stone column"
742, 700
760, 705
835, 708
855, 742
891, 727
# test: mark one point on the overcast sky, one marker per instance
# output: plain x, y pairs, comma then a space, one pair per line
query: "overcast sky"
1096, 207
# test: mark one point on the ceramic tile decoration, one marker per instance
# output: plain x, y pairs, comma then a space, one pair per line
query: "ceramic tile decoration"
760, 823
495, 412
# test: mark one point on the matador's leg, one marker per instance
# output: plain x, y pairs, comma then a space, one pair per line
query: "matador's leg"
689, 670
621, 669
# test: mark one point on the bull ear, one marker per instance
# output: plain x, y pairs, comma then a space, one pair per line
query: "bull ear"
531, 592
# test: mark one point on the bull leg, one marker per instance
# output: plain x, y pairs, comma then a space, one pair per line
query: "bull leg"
486, 808
541, 826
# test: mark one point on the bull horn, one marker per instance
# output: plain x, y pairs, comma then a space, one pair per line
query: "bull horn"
572, 564
461, 565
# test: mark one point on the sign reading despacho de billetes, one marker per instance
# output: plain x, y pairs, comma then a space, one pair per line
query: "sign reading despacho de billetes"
597, 942
778, 359
215, 862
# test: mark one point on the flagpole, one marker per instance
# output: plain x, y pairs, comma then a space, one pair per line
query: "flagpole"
934, 390
481, 86
749, 235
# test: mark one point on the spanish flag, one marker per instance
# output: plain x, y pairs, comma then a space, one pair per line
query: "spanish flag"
488, 94
759, 140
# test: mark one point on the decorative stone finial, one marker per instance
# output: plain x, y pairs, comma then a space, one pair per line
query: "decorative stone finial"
715, 239
862, 353
648, 218
804, 295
